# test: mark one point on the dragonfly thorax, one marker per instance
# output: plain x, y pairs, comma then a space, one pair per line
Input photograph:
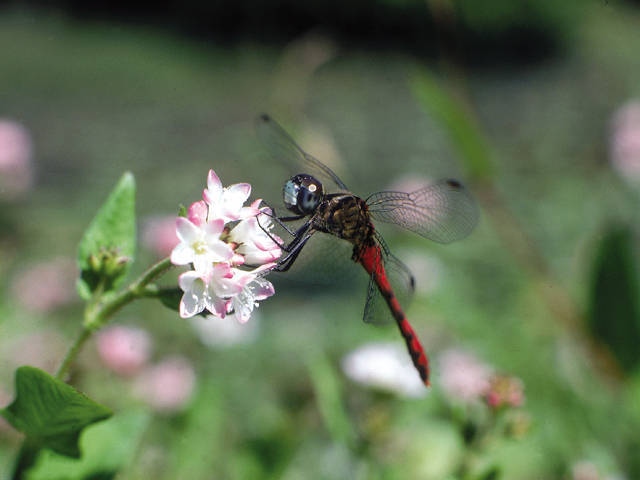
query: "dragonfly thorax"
302, 194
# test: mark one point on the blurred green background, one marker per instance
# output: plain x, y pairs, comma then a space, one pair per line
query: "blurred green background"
521, 100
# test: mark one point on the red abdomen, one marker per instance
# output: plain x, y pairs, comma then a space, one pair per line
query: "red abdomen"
371, 258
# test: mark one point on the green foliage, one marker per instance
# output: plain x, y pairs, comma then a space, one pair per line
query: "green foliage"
170, 297
465, 134
505, 14
107, 447
108, 246
257, 412
614, 310
329, 396
51, 413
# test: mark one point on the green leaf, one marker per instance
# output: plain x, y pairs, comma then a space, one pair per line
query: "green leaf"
51, 413
614, 313
182, 211
326, 385
107, 448
107, 248
170, 297
196, 457
463, 130
492, 473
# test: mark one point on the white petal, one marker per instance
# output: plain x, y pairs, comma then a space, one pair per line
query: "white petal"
202, 264
214, 185
243, 310
220, 251
217, 306
263, 288
182, 254
237, 193
193, 299
185, 230
213, 227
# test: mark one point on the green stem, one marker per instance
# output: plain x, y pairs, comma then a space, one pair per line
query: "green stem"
100, 310
137, 289
73, 352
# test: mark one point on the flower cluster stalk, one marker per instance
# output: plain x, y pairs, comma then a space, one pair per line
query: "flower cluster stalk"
102, 307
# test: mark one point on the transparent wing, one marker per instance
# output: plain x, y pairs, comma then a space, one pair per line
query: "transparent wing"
402, 283
443, 212
286, 151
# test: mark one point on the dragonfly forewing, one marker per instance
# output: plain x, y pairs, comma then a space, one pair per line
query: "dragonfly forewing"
442, 212
286, 151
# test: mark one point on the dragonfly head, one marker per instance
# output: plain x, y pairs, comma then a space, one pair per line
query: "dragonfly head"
302, 194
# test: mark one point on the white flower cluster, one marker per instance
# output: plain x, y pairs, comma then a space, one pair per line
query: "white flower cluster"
218, 236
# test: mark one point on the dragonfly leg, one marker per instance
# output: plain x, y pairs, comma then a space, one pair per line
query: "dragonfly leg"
280, 221
293, 249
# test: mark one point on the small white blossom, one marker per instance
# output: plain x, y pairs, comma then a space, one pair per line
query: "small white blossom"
227, 203
200, 245
256, 289
217, 238
254, 244
385, 366
198, 296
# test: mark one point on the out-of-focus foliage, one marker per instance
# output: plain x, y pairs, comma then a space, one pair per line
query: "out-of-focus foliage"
515, 31
614, 307
269, 399
503, 15
466, 137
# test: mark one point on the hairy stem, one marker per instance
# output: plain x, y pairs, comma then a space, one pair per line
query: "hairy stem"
100, 310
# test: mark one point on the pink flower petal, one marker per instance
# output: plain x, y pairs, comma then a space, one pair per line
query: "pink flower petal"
197, 212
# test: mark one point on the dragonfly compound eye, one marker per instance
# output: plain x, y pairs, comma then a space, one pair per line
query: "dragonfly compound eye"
302, 194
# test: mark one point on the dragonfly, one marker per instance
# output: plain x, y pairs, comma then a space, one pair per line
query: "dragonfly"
443, 212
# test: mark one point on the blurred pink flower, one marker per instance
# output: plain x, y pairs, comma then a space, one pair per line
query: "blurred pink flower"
385, 366
625, 141
159, 235
167, 386
124, 350
462, 376
46, 286
504, 391
585, 470
16, 169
